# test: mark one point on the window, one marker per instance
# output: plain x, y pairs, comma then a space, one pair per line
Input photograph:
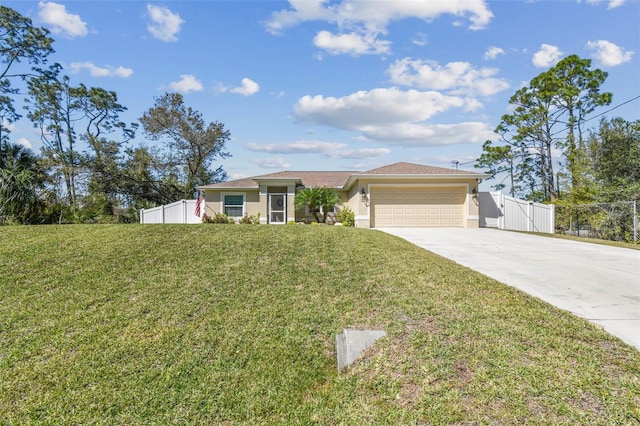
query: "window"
307, 210
234, 205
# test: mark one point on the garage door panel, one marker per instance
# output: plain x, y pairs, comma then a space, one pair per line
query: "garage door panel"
421, 206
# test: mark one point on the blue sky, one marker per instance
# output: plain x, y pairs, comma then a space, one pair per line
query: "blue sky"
338, 85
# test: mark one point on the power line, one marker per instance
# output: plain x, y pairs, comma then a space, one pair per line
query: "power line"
609, 110
457, 163
599, 115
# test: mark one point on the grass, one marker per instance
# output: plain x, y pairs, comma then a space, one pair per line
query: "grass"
218, 324
621, 244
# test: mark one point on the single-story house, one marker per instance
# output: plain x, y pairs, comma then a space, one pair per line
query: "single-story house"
400, 194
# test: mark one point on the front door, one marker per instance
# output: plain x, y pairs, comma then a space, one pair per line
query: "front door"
277, 208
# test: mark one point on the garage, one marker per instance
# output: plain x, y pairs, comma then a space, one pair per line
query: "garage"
425, 206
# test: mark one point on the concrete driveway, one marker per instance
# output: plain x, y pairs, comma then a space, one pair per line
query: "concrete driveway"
596, 282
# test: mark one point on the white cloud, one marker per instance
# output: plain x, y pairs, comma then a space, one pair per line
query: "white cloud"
298, 147
378, 107
24, 142
493, 52
351, 43
302, 11
333, 150
96, 71
417, 134
420, 39
361, 22
615, 3
247, 87
456, 77
376, 14
9, 126
609, 54
393, 116
187, 83
359, 153
547, 56
60, 21
271, 163
612, 4
165, 25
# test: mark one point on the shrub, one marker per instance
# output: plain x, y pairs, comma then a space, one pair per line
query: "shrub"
218, 218
250, 220
347, 217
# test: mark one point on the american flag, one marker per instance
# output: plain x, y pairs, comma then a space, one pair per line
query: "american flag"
198, 204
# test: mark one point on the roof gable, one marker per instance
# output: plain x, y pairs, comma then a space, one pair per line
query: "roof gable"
413, 169
335, 179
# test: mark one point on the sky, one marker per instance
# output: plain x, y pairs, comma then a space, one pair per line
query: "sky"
338, 85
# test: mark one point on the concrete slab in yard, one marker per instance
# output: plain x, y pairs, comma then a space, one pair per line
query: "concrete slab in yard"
351, 343
596, 282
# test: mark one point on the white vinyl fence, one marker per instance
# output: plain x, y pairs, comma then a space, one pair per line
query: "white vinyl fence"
182, 211
501, 211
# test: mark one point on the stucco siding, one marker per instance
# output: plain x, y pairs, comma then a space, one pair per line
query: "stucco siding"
214, 201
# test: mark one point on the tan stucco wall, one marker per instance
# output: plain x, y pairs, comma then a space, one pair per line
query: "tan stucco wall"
213, 201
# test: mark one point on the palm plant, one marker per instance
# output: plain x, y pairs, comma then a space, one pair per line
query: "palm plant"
317, 199
19, 180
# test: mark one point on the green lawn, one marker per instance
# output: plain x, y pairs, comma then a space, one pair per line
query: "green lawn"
622, 244
222, 324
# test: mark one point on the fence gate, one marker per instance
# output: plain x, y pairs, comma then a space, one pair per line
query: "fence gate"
501, 211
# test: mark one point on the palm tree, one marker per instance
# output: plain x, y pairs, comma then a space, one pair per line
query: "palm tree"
318, 198
20, 179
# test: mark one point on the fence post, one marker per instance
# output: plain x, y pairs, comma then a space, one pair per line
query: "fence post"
501, 217
141, 215
635, 221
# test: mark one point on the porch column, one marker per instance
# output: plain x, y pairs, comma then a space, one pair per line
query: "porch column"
264, 214
291, 207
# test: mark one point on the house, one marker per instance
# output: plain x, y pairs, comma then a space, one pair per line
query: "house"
399, 194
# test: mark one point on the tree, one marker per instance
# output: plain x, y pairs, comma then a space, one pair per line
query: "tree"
52, 109
139, 180
20, 181
20, 42
191, 144
68, 115
614, 151
577, 94
100, 111
498, 159
317, 199
548, 115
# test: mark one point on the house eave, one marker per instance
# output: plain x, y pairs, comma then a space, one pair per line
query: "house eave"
226, 188
399, 177
279, 180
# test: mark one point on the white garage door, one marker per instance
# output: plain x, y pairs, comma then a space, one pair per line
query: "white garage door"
418, 206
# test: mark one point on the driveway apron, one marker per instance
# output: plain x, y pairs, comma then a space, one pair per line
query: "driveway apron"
596, 282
